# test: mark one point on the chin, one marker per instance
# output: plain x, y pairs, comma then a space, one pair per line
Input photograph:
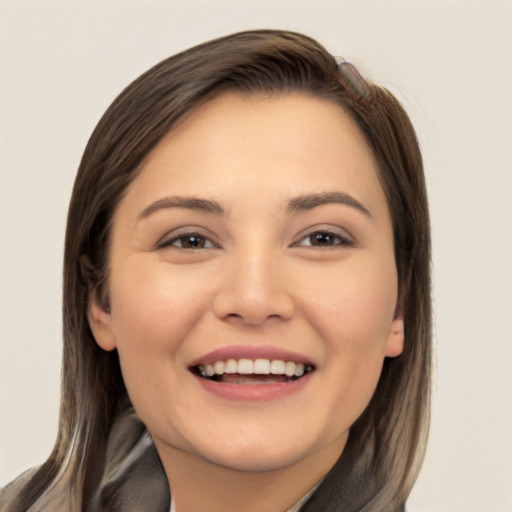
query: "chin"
257, 454
255, 461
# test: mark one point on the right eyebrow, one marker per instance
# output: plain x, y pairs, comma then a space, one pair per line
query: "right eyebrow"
188, 202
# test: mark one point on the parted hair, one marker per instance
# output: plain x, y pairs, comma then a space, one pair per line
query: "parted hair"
260, 62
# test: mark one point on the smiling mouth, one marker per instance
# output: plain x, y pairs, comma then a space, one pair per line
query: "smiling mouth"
249, 371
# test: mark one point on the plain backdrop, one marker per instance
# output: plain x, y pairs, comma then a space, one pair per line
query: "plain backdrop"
61, 64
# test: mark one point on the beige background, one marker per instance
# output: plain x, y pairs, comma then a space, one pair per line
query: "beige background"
61, 64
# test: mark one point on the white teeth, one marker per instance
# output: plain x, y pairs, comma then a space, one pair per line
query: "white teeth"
262, 367
245, 366
231, 366
256, 367
277, 367
219, 367
289, 369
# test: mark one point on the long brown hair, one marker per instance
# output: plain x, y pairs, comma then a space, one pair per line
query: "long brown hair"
256, 62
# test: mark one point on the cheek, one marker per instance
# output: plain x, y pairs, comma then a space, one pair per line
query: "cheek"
353, 314
154, 306
152, 312
354, 307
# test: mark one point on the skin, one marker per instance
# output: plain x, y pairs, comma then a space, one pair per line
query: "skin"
257, 279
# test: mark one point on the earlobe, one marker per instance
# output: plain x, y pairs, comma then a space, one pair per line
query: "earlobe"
100, 323
395, 344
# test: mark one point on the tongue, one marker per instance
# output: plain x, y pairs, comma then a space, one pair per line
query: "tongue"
237, 378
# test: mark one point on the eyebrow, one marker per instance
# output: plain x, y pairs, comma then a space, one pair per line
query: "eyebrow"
310, 201
190, 203
295, 205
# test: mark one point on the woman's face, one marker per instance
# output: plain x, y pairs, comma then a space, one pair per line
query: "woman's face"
255, 244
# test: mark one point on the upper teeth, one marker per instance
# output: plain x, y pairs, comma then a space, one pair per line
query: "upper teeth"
257, 367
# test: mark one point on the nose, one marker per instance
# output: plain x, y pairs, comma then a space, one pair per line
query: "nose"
253, 290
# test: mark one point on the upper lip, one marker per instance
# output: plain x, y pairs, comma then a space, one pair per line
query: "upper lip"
251, 352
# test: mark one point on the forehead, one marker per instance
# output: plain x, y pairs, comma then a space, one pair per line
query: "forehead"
278, 144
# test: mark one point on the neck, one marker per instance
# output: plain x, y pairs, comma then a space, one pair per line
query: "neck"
199, 484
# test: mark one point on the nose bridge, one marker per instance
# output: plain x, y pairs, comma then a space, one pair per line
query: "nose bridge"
254, 287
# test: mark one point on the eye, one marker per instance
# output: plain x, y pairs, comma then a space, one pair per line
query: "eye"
189, 241
322, 238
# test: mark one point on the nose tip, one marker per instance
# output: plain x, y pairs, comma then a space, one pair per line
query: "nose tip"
254, 295
256, 312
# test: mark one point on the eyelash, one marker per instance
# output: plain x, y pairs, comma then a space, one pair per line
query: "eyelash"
204, 242
172, 242
339, 240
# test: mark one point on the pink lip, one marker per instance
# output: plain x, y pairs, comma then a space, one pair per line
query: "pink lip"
258, 391
254, 392
250, 352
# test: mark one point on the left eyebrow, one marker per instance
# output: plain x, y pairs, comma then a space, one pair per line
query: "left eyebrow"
310, 201
187, 202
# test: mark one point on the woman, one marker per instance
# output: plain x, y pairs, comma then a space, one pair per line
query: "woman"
246, 293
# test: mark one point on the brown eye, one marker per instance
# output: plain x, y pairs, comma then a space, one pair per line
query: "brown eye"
189, 241
324, 239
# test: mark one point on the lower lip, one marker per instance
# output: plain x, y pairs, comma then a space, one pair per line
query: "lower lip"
254, 392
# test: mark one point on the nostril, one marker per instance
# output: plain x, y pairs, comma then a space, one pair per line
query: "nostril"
253, 318
253, 298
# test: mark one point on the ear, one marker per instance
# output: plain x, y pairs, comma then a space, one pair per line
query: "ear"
100, 322
395, 343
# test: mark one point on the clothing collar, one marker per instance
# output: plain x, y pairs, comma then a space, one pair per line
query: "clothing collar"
134, 479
